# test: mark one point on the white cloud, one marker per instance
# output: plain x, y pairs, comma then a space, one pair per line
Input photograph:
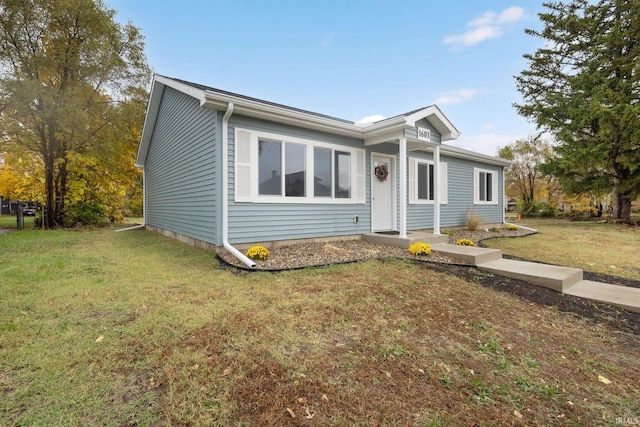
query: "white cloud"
327, 40
488, 127
370, 119
490, 25
510, 14
457, 96
485, 143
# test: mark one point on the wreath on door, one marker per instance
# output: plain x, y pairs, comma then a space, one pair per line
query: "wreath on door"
382, 172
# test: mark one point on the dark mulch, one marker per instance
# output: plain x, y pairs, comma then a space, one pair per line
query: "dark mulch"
622, 320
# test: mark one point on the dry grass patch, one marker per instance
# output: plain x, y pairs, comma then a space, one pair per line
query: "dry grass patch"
602, 248
398, 344
185, 342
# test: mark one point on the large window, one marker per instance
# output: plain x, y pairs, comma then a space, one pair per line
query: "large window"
485, 187
322, 172
425, 181
295, 169
270, 168
343, 175
274, 169
422, 181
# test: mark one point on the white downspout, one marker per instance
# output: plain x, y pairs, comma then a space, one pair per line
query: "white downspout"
436, 190
403, 187
225, 190
144, 206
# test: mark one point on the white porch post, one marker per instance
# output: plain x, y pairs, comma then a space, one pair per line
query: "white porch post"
436, 190
402, 160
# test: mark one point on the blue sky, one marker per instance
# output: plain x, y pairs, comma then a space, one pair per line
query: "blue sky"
353, 59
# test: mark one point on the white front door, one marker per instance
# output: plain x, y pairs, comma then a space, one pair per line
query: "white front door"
382, 193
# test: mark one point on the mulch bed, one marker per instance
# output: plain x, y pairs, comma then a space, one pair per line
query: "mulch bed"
336, 252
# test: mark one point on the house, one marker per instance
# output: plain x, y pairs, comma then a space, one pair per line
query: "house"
222, 169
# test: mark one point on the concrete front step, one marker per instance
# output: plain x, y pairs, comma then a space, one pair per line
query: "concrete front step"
620, 296
550, 276
395, 240
470, 254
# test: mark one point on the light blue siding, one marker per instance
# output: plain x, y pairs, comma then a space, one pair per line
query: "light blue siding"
256, 222
180, 169
183, 182
460, 196
436, 138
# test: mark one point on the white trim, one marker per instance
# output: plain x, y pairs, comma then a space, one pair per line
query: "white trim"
434, 115
476, 187
392, 176
225, 190
438, 187
437, 175
358, 171
402, 162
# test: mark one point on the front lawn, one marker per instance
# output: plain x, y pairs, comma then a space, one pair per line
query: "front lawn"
131, 328
598, 247
8, 221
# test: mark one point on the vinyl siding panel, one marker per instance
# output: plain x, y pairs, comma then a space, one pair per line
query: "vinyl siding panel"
419, 216
436, 138
460, 196
180, 169
263, 222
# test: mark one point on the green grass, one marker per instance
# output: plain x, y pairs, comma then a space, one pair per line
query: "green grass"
104, 328
606, 248
8, 221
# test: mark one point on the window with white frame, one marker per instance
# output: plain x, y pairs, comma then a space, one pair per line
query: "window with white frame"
485, 187
422, 181
270, 168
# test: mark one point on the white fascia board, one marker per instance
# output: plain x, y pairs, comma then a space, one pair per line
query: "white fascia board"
373, 129
182, 87
155, 96
461, 153
251, 108
442, 124
382, 137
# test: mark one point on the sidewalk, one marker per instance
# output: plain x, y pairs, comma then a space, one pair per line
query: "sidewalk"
562, 279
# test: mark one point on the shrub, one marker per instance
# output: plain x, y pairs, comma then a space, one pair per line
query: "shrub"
257, 252
465, 242
473, 220
85, 214
511, 227
419, 248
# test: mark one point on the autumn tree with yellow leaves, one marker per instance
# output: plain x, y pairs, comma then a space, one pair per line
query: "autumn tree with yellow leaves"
72, 100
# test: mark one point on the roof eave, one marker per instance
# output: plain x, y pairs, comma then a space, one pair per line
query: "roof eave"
437, 118
461, 153
251, 108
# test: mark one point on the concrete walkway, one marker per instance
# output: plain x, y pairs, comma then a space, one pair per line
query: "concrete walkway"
562, 279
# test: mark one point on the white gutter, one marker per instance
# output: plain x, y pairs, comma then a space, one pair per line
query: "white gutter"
135, 227
520, 226
225, 189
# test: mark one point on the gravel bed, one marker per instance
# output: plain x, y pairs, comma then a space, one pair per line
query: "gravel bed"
333, 252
